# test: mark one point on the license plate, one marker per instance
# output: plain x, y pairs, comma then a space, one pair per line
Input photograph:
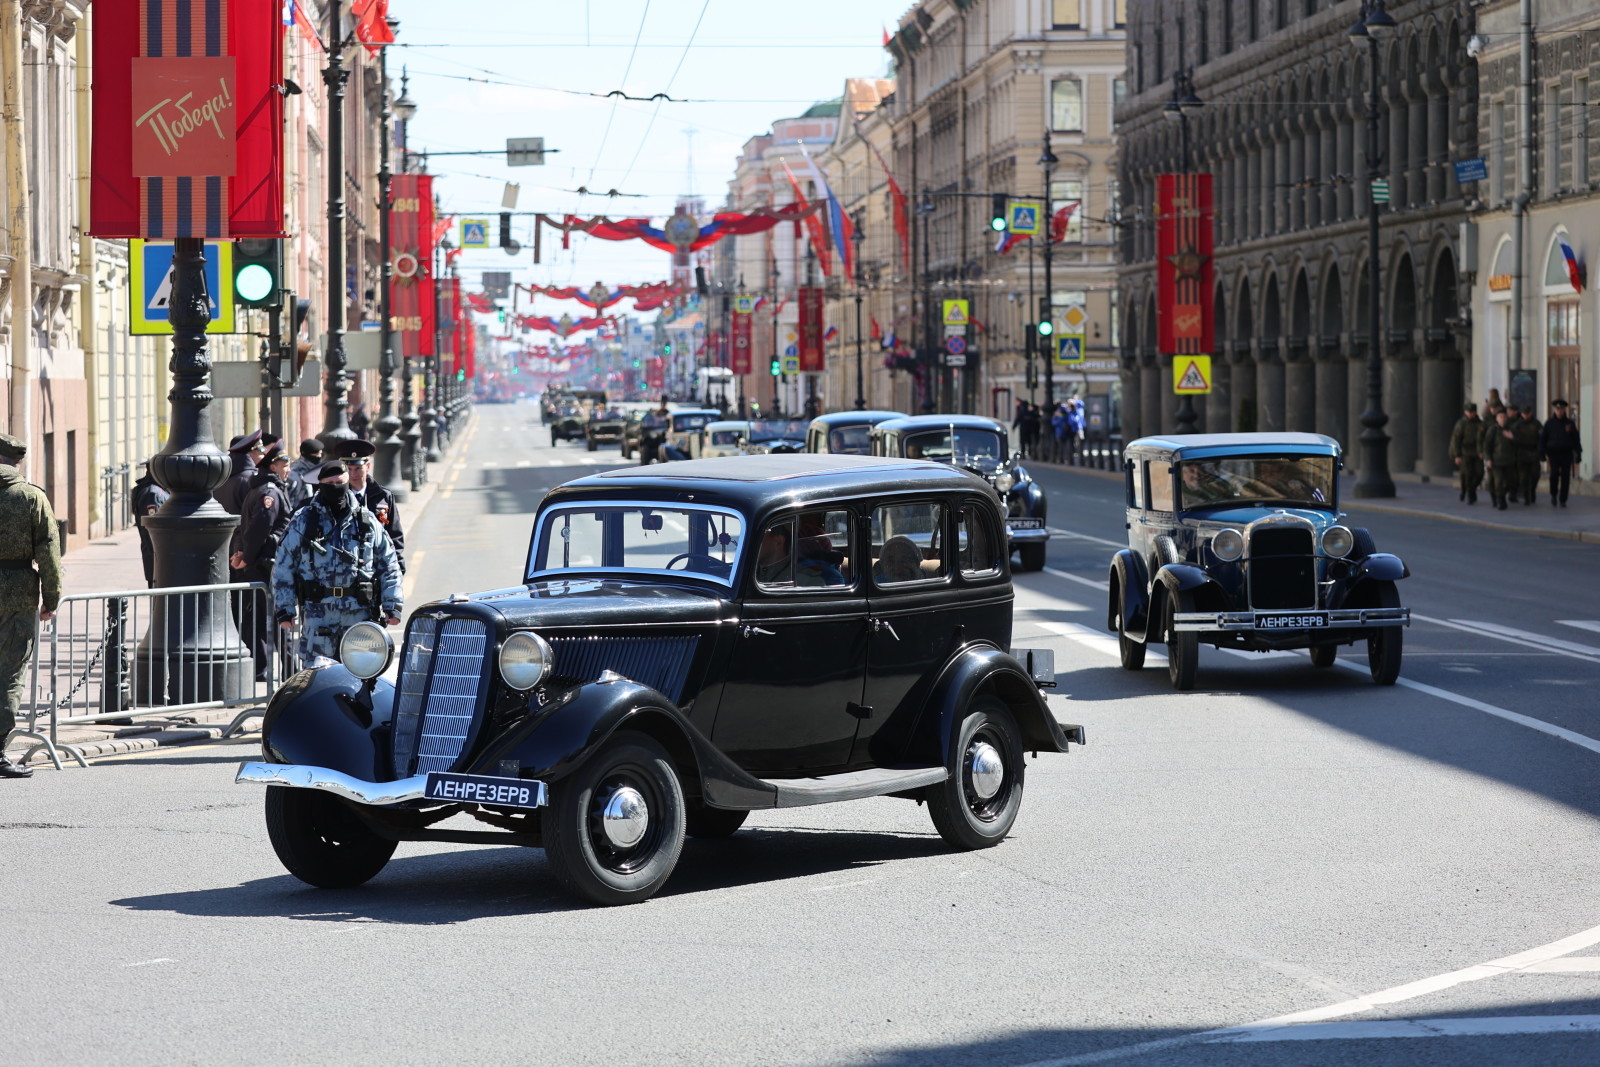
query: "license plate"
1025, 524
482, 789
1309, 620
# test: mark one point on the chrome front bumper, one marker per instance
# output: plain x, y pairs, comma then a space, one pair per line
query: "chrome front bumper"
296, 776
1038, 534
1341, 619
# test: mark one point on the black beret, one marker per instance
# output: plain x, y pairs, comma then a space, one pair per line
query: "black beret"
331, 470
311, 447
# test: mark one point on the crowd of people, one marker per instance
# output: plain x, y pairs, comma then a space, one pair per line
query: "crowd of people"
1508, 448
1052, 437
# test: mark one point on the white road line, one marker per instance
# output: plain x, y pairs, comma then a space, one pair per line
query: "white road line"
1392, 1028
1482, 630
1582, 624
1566, 965
147, 963
1528, 635
1080, 579
1087, 537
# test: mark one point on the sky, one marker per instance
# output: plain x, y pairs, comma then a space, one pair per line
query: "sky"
484, 70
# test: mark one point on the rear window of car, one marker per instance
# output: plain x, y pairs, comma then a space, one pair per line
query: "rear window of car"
850, 440
808, 551
977, 544
1160, 484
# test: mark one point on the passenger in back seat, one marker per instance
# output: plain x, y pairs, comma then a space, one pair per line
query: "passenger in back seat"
900, 561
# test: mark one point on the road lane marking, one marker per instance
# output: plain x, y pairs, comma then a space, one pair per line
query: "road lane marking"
1484, 630
1119, 545
147, 963
1528, 635
1090, 582
1378, 1029
1566, 965
1582, 624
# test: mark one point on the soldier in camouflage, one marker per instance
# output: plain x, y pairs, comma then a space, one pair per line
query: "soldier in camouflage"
1500, 457
336, 567
1466, 446
30, 571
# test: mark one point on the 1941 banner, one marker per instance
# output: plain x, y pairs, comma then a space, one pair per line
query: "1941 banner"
411, 307
810, 330
188, 119
1184, 267
740, 357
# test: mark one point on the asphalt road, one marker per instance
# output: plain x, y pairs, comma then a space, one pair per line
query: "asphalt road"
1286, 866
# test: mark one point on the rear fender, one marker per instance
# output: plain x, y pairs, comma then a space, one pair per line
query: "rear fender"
974, 669
1382, 566
319, 717
1127, 574
555, 742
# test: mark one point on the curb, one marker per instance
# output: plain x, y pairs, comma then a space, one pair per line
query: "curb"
1590, 537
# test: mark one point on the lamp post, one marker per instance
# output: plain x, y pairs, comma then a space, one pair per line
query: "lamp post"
925, 223
777, 279
404, 109
336, 384
1374, 26
1177, 110
858, 239
386, 462
1048, 163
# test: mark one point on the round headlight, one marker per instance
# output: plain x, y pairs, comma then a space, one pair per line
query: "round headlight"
1338, 541
1228, 545
1004, 481
524, 659
365, 650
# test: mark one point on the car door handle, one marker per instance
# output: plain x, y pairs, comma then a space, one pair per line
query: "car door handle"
883, 624
750, 631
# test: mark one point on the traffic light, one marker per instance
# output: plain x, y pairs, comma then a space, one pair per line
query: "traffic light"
666, 349
777, 367
1046, 325
505, 229
997, 212
258, 272
461, 375
502, 314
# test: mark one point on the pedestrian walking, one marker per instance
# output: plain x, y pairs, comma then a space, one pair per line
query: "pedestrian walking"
145, 500
336, 567
1075, 426
357, 458
30, 584
253, 550
1500, 459
302, 479
1058, 432
1561, 448
359, 421
1466, 447
243, 452
1526, 430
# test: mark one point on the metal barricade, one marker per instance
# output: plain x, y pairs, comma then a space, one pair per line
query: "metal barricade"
153, 655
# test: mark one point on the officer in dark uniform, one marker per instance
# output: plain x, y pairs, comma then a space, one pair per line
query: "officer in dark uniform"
146, 500
255, 548
1562, 448
357, 457
243, 451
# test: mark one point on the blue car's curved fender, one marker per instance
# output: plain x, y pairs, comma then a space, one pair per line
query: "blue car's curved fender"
1206, 593
320, 718
1127, 574
1383, 566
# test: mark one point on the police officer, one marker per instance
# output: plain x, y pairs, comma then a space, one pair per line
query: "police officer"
1466, 444
145, 500
1525, 431
30, 570
1561, 447
357, 457
254, 548
303, 472
335, 567
1500, 457
243, 451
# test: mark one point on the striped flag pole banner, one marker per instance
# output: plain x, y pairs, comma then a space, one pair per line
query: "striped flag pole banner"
1184, 268
188, 119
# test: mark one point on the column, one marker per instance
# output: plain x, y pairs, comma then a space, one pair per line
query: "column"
1333, 395
1299, 391
1242, 373
1218, 413
1400, 401
1346, 164
1269, 388
1399, 149
1295, 135
1441, 405
1438, 105
1153, 394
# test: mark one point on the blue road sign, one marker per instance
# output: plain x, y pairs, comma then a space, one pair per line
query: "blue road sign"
150, 283
791, 351
955, 344
1069, 348
1472, 170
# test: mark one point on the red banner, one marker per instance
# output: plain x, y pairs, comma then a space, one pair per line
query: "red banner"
459, 325
1184, 264
187, 137
810, 329
655, 374
411, 304
741, 341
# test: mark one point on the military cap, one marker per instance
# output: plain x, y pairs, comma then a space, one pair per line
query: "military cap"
245, 441
1558, 403
273, 453
11, 448
331, 470
356, 449
270, 439
1471, 407
311, 447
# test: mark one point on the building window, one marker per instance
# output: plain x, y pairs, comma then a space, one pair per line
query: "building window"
1066, 14
1119, 13
1119, 93
1062, 193
1066, 105
1562, 352
1580, 141
1503, 130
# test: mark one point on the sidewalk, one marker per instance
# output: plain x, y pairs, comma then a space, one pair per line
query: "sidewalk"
112, 564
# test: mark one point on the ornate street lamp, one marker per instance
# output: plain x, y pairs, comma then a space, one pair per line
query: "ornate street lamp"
336, 384
1375, 26
858, 239
1048, 163
386, 462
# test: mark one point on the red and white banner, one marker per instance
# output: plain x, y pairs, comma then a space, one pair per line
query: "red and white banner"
1184, 264
810, 329
187, 136
411, 303
741, 341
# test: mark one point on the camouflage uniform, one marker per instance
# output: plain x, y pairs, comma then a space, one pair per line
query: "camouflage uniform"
319, 553
30, 570
1500, 452
1466, 444
1526, 433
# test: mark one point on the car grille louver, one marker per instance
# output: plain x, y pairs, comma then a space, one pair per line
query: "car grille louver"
441, 677
662, 663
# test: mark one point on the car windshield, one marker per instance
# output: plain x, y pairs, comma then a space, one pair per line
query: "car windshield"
690, 422
970, 448
725, 437
1302, 480
777, 429
850, 440
634, 537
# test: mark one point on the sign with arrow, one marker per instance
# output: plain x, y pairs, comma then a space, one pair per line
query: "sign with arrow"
1191, 375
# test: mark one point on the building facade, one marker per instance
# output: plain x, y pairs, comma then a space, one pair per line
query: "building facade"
1282, 127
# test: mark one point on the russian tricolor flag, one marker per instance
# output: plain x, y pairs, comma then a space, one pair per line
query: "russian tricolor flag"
830, 333
1009, 241
1574, 274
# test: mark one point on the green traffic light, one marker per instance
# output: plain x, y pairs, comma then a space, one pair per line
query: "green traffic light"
1046, 328
997, 224
253, 283
777, 368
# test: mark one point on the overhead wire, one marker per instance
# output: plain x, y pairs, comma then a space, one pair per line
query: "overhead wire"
675, 70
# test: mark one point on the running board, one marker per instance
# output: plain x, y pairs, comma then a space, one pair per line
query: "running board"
854, 785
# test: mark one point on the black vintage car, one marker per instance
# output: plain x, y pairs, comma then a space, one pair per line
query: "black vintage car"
979, 445
1236, 540
775, 437
846, 433
726, 636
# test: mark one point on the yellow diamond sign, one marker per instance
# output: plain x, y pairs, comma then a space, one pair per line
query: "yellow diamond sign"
1075, 317
1191, 375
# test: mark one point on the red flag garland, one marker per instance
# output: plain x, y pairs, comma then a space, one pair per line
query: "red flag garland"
723, 224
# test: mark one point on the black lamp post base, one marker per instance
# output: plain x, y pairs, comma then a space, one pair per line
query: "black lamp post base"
386, 462
192, 652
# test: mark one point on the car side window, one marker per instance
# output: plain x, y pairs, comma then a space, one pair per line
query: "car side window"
1160, 485
1135, 474
908, 543
808, 551
976, 544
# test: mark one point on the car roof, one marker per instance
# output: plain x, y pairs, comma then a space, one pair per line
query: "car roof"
909, 423
854, 418
727, 424
755, 483
696, 411
1220, 444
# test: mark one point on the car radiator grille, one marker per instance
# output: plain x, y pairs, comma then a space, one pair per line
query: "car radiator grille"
1282, 569
662, 663
441, 674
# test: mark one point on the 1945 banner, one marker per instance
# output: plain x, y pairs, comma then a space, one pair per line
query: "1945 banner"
188, 119
740, 356
411, 227
1184, 269
810, 329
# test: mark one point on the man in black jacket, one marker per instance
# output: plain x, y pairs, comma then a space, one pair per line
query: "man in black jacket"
1560, 447
243, 451
146, 499
357, 456
254, 549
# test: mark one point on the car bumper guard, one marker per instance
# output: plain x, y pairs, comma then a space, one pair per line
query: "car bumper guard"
1026, 536
1338, 619
297, 776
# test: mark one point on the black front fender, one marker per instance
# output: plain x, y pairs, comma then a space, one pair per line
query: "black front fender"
1382, 566
974, 669
319, 717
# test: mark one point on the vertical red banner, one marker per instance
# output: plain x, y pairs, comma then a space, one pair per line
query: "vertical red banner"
741, 341
445, 317
459, 325
655, 374
411, 303
810, 329
1185, 273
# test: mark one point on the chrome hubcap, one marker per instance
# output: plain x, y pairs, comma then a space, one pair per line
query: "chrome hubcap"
625, 817
988, 769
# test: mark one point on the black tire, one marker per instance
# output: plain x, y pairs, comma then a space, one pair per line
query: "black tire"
1131, 651
1364, 544
321, 841
1183, 648
964, 818
1385, 644
592, 445
1324, 655
714, 823
586, 863
1031, 556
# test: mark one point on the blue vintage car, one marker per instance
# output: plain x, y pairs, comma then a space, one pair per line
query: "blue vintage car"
846, 433
1236, 540
979, 445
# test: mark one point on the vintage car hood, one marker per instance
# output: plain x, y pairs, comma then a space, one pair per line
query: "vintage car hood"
1240, 517
597, 603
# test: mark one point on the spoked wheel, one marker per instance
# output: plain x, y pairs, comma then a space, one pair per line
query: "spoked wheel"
975, 807
1324, 655
321, 841
714, 823
1131, 651
1183, 646
1385, 645
614, 828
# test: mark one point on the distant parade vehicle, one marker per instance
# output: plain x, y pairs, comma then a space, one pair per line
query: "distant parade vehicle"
1236, 540
845, 433
775, 437
570, 420
685, 432
604, 427
729, 635
725, 438
979, 445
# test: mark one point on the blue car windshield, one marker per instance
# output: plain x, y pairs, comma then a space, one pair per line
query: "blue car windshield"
966, 448
631, 537
1303, 481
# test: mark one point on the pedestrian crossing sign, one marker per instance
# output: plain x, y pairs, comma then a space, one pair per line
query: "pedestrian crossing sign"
1191, 375
1069, 348
744, 305
1024, 217
474, 233
150, 286
956, 313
